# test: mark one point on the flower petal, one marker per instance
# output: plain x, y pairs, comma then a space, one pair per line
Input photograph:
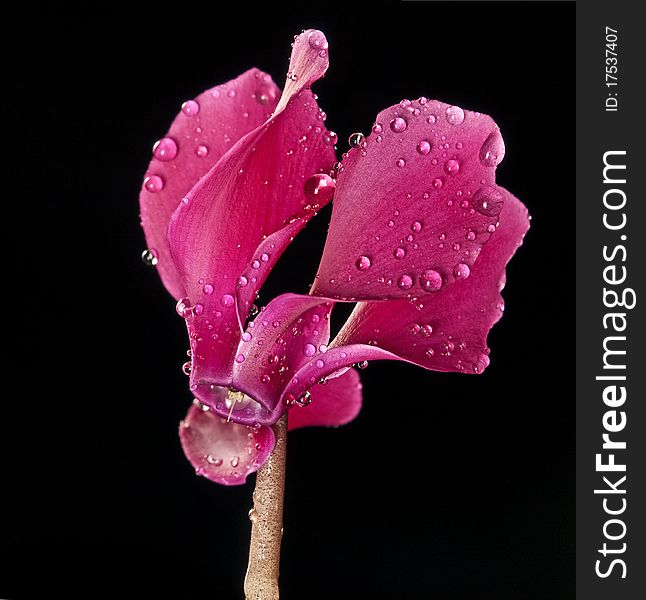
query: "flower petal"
291, 330
446, 331
202, 132
414, 203
224, 452
230, 229
336, 403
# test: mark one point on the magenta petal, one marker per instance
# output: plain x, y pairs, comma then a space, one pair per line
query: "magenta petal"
224, 452
288, 332
413, 205
336, 403
446, 331
204, 129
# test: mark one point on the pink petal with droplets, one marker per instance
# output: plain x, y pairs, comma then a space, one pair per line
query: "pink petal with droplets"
224, 452
446, 331
336, 403
230, 229
411, 208
288, 332
202, 132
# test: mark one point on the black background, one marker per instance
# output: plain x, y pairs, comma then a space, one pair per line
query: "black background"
474, 501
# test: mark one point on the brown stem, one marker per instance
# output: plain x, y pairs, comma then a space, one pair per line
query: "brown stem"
261, 581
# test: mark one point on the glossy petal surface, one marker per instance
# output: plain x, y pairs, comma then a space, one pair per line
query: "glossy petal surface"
336, 403
204, 129
446, 331
413, 205
230, 229
224, 452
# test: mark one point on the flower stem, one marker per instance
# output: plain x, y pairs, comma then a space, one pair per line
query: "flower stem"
261, 581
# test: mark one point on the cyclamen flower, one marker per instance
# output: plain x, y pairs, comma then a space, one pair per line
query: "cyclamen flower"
419, 236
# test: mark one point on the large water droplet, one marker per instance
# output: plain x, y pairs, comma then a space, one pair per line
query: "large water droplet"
405, 282
317, 40
154, 184
398, 124
309, 349
356, 139
319, 188
363, 263
493, 149
424, 147
190, 108
201, 151
488, 201
451, 167
165, 149
227, 300
454, 115
430, 281
461, 271
399, 253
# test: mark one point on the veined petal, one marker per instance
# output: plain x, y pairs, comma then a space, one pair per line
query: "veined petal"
224, 452
446, 331
414, 203
336, 403
204, 129
232, 226
290, 331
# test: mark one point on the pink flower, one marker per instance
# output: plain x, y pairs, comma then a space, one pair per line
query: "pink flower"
420, 235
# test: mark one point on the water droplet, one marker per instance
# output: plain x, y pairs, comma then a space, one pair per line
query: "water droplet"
201, 151
399, 253
405, 282
309, 349
165, 149
461, 271
330, 138
319, 188
377, 128
231, 93
317, 40
235, 461
398, 124
431, 119
437, 183
186, 368
488, 201
208, 289
198, 309
451, 167
362, 365
190, 108
493, 149
430, 281
470, 235
154, 184
227, 300
319, 364
240, 358
242, 281
416, 226
362, 263
424, 147
356, 139
401, 162
149, 257
454, 115
264, 257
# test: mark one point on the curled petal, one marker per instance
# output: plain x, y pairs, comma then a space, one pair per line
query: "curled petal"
230, 229
336, 403
224, 452
290, 331
204, 129
414, 204
308, 63
446, 331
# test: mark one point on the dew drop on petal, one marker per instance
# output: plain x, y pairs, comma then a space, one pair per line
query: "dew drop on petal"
240, 358
149, 257
330, 138
317, 41
319, 188
399, 253
401, 162
436, 183
362, 263
207, 289
430, 281
309, 349
242, 281
454, 115
190, 108
398, 124
424, 147
493, 149
405, 282
451, 167
165, 149
154, 184
461, 271
356, 139
488, 201
201, 151
227, 300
